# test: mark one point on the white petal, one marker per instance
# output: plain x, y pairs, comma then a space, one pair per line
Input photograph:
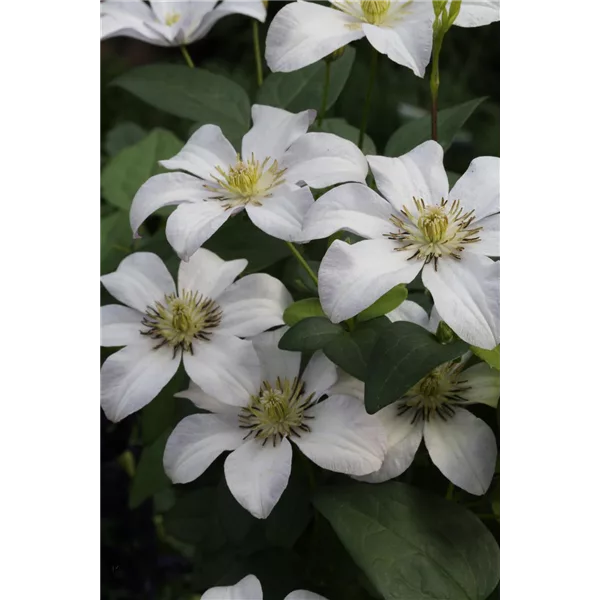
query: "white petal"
304, 595
133, 376
416, 174
275, 362
324, 159
167, 189
120, 325
273, 131
196, 442
343, 437
224, 367
202, 400
479, 188
252, 305
206, 150
352, 277
464, 449
403, 440
475, 13
319, 376
489, 236
408, 40
347, 385
302, 33
192, 224
247, 589
466, 293
484, 385
208, 274
257, 475
129, 19
282, 215
140, 280
409, 311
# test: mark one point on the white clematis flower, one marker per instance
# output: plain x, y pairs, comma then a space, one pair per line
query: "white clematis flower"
475, 13
277, 155
171, 22
302, 32
462, 446
336, 433
418, 226
201, 322
249, 588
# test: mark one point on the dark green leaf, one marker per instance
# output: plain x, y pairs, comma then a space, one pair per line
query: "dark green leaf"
116, 240
122, 136
450, 120
388, 302
403, 355
310, 334
295, 277
303, 88
412, 545
342, 128
193, 94
235, 520
491, 357
309, 307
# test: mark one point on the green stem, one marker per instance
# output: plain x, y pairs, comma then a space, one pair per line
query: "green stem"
257, 55
188, 58
325, 93
434, 83
301, 260
450, 491
367, 107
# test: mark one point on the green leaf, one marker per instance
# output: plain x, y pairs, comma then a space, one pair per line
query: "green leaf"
125, 173
342, 128
403, 355
491, 357
450, 120
193, 94
412, 545
310, 334
388, 302
303, 88
295, 277
351, 350
116, 240
149, 475
309, 307
122, 136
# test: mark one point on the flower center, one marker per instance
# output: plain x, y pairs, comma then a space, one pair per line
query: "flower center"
181, 319
375, 10
436, 393
277, 411
172, 18
246, 182
434, 230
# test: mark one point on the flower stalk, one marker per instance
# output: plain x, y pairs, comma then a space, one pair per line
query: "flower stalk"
188, 58
367, 107
325, 93
257, 54
303, 262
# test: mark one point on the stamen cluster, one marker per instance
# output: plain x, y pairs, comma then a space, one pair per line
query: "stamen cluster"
172, 19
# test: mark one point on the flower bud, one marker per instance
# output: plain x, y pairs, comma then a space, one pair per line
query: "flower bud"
444, 334
335, 55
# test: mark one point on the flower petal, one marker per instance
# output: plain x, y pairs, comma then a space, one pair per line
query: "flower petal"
464, 449
282, 215
258, 474
139, 281
304, 595
224, 367
133, 376
319, 375
246, 589
208, 274
205, 402
120, 325
167, 189
206, 150
352, 277
416, 174
479, 188
475, 13
343, 437
489, 236
192, 224
302, 33
275, 362
409, 311
273, 131
347, 385
324, 159
484, 385
196, 442
466, 293
252, 305
130, 19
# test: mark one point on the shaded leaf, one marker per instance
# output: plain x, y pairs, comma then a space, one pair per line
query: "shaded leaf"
310, 334
116, 240
122, 136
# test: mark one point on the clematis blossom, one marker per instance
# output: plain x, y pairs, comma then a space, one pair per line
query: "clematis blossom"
249, 588
475, 13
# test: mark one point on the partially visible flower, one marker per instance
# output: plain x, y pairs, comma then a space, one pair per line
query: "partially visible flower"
249, 588
420, 226
302, 32
277, 155
201, 322
335, 433
171, 22
475, 13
